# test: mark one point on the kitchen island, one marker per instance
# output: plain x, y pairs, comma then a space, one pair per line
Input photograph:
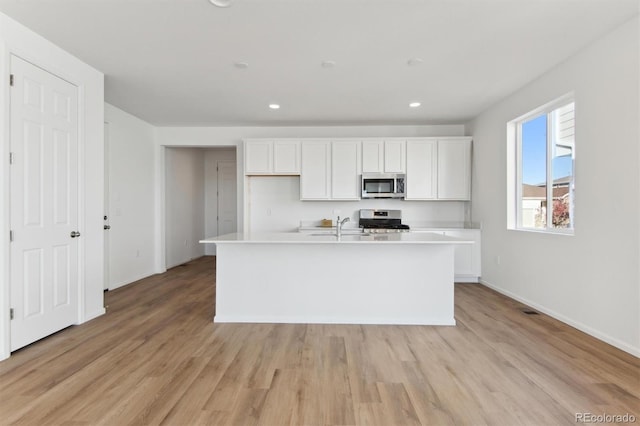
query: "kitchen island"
402, 278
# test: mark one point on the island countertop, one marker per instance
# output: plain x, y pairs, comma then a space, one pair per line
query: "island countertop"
347, 238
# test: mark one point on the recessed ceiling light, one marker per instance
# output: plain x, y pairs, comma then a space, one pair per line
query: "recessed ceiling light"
274, 106
220, 3
415, 104
241, 65
414, 62
328, 64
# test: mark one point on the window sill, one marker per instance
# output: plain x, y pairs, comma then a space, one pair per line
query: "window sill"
566, 233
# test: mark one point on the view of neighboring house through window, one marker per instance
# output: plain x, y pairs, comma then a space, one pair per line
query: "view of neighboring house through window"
545, 150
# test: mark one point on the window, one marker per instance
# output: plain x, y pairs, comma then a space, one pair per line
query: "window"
542, 177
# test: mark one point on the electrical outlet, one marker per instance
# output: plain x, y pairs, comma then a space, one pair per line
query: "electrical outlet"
138, 253
498, 260
268, 212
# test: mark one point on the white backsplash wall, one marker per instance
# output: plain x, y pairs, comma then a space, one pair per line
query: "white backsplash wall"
274, 205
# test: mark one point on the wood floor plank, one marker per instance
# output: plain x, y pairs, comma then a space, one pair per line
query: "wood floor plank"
156, 357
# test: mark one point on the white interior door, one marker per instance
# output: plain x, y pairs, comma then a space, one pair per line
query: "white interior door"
227, 218
44, 203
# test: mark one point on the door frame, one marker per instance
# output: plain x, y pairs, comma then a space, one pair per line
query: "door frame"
105, 209
18, 41
160, 196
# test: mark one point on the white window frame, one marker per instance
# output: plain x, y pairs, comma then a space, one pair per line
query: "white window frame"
514, 169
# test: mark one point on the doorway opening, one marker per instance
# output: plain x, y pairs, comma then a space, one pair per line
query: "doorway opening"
200, 200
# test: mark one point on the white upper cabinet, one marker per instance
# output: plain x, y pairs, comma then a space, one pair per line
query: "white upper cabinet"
394, 156
345, 170
315, 176
258, 157
454, 169
383, 156
439, 169
373, 156
267, 157
436, 168
422, 169
286, 157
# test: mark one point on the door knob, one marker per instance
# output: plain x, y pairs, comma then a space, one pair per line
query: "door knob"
75, 234
107, 227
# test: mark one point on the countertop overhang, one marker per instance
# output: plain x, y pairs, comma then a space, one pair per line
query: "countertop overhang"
302, 238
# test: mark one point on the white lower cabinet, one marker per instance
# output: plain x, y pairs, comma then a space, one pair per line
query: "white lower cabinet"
467, 267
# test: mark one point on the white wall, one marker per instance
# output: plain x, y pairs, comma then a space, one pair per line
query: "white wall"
184, 209
276, 206
132, 182
589, 280
211, 158
17, 39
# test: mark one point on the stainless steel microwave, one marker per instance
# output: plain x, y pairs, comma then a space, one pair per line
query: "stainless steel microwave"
383, 185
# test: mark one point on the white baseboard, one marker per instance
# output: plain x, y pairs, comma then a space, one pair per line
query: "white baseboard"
575, 324
466, 279
323, 320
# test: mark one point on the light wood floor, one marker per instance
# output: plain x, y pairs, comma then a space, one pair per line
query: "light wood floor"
157, 358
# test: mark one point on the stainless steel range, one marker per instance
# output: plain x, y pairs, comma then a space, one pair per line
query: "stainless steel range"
381, 221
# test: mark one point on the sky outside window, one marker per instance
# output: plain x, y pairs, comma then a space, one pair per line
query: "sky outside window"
534, 154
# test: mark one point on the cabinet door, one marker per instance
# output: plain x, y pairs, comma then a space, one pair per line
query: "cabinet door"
394, 156
315, 170
372, 156
286, 157
257, 157
422, 169
345, 158
454, 169
467, 256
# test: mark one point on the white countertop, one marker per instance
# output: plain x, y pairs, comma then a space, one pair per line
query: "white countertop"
304, 238
420, 226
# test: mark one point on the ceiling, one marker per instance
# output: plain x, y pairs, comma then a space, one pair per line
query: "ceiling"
172, 62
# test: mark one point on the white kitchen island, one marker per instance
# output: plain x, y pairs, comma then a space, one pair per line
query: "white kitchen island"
402, 278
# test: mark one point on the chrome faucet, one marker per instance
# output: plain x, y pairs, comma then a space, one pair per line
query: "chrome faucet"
339, 225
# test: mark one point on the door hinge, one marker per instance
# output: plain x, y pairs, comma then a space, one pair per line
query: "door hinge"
10, 236
10, 79
11, 314
11, 158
